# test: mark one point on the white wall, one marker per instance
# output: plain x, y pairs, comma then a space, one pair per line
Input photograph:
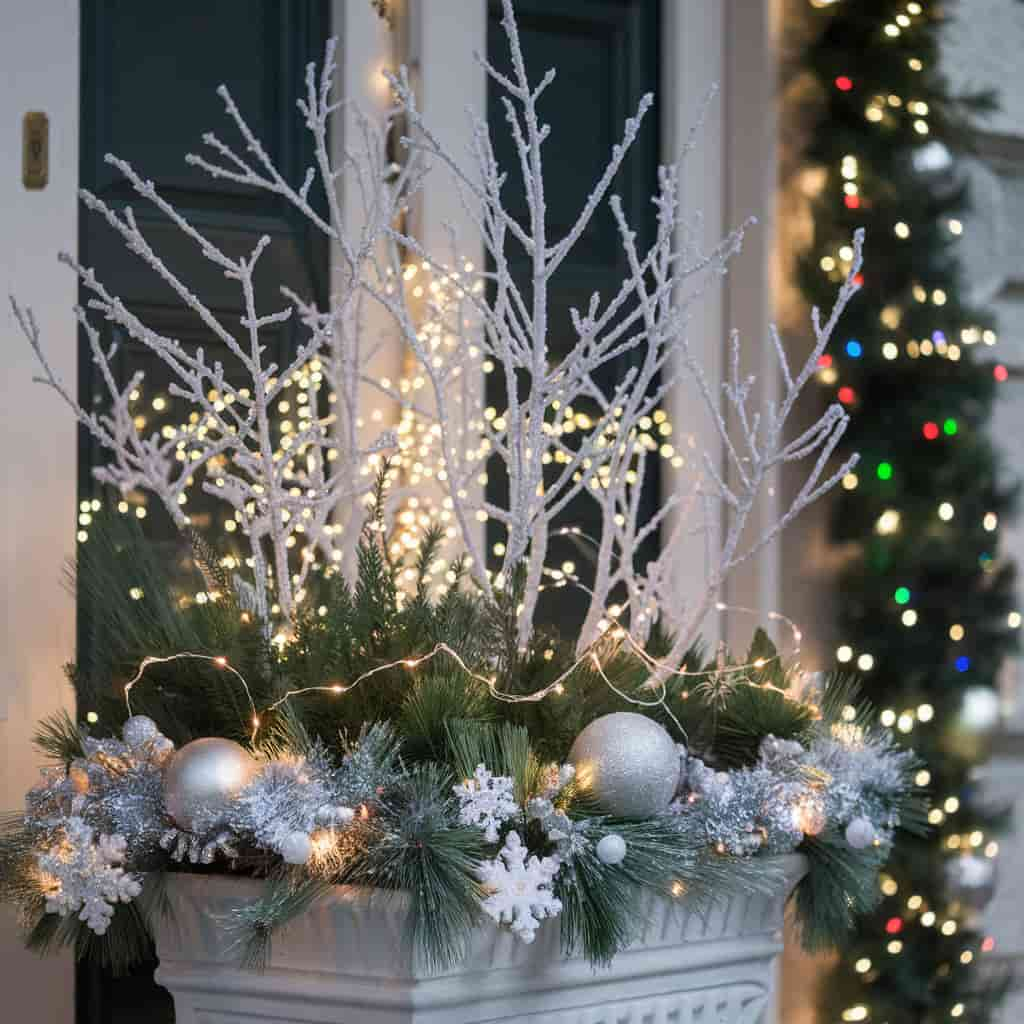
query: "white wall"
38, 71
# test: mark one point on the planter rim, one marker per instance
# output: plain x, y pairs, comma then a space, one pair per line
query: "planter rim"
792, 867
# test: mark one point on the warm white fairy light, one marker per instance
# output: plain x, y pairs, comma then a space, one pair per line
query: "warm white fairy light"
218, 660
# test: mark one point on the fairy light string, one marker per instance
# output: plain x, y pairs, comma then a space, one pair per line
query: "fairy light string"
219, 660
588, 657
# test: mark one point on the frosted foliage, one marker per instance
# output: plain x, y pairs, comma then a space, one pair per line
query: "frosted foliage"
84, 875
519, 888
565, 427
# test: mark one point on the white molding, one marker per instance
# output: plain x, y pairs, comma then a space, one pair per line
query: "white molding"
366, 48
451, 85
729, 176
39, 62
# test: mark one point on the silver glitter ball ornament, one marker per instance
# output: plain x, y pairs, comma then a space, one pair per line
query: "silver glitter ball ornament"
611, 849
202, 779
628, 763
139, 730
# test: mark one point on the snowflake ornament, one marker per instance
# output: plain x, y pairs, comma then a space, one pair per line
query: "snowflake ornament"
520, 888
86, 875
487, 801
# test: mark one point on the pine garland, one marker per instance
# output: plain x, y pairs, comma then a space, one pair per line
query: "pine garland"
926, 594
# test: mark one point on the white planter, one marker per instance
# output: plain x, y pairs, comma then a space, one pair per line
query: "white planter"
343, 962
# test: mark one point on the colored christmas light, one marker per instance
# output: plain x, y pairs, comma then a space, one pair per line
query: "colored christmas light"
1000, 372
844, 83
949, 427
884, 471
963, 663
846, 395
894, 926
930, 431
854, 349
901, 595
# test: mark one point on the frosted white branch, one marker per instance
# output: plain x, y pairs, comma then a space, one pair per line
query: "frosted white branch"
583, 425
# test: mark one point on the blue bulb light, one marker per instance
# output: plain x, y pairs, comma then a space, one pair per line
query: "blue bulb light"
854, 348
963, 663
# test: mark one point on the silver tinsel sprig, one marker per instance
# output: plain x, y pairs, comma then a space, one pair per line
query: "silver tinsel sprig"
867, 776
116, 788
368, 768
744, 811
285, 797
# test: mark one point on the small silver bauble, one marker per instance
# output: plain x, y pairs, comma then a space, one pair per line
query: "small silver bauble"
629, 763
139, 730
860, 833
296, 848
611, 849
161, 749
202, 779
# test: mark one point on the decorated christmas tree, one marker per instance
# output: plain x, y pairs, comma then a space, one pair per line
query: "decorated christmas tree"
351, 701
926, 613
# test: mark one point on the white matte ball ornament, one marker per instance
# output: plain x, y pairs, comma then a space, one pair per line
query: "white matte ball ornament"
860, 833
629, 763
202, 779
139, 730
611, 849
296, 848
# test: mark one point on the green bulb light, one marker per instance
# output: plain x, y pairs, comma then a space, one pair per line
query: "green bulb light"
884, 471
901, 595
950, 427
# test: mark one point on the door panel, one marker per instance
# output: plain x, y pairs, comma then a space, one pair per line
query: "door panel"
149, 75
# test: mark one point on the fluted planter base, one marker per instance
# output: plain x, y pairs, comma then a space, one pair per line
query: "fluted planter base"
344, 962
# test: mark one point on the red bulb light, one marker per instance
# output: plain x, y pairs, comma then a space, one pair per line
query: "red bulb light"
1000, 372
824, 361
894, 926
930, 431
844, 83
988, 944
846, 395
852, 202
858, 279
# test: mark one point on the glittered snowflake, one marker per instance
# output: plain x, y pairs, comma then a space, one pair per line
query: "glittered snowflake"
85, 875
487, 801
519, 887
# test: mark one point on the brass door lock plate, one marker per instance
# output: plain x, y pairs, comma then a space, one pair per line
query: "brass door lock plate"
35, 159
